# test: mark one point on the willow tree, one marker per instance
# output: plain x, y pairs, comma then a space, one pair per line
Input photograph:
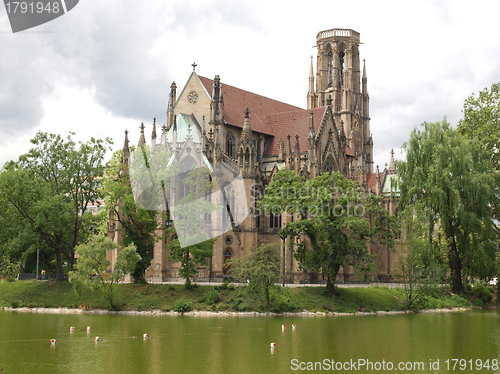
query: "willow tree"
453, 178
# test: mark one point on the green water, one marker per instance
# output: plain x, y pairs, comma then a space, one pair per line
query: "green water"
242, 344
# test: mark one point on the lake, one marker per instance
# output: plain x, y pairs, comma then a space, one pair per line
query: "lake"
425, 343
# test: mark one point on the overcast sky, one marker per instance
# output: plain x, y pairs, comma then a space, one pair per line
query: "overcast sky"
107, 66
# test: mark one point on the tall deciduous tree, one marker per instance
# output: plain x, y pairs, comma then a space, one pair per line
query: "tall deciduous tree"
453, 178
331, 217
138, 225
49, 189
482, 122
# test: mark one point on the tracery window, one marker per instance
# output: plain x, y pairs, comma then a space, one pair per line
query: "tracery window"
185, 167
328, 166
229, 145
330, 69
230, 201
341, 69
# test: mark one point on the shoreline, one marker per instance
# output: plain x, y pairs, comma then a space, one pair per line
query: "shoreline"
205, 314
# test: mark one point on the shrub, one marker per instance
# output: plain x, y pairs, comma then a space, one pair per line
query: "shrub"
482, 292
459, 301
182, 306
212, 296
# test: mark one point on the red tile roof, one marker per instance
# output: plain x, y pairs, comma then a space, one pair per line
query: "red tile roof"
371, 178
268, 116
261, 107
348, 151
295, 122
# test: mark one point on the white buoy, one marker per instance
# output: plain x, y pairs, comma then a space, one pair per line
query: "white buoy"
283, 327
71, 329
145, 336
97, 338
273, 345
88, 329
293, 327
52, 341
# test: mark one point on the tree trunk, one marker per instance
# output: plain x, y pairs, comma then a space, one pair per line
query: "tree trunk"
455, 264
60, 276
331, 277
330, 286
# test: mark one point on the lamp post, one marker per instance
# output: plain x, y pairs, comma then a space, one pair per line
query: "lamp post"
37, 261
284, 259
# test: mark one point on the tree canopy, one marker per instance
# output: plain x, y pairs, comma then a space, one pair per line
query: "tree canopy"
92, 266
453, 178
482, 122
331, 218
136, 225
43, 196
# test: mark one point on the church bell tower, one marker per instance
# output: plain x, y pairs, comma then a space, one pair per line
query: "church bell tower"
340, 83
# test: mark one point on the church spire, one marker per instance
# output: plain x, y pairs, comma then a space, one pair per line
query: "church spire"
312, 133
172, 97
153, 134
126, 151
392, 166
311, 96
217, 104
246, 133
142, 139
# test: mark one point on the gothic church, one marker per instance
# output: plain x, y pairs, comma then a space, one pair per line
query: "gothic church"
257, 136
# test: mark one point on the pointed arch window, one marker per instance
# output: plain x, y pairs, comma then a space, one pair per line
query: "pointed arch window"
229, 145
330, 69
341, 69
230, 202
328, 166
185, 167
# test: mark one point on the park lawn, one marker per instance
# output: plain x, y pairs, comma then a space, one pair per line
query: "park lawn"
165, 297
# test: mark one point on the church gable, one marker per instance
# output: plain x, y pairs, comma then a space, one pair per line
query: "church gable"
194, 99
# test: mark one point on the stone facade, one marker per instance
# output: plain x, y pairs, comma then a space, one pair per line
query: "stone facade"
256, 136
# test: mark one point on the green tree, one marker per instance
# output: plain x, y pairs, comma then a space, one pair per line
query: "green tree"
47, 192
260, 268
482, 122
8, 269
92, 267
137, 225
189, 257
422, 260
331, 218
452, 177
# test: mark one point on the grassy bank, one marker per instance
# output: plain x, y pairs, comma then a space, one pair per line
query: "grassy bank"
227, 298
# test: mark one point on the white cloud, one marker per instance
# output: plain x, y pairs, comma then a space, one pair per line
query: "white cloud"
107, 66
